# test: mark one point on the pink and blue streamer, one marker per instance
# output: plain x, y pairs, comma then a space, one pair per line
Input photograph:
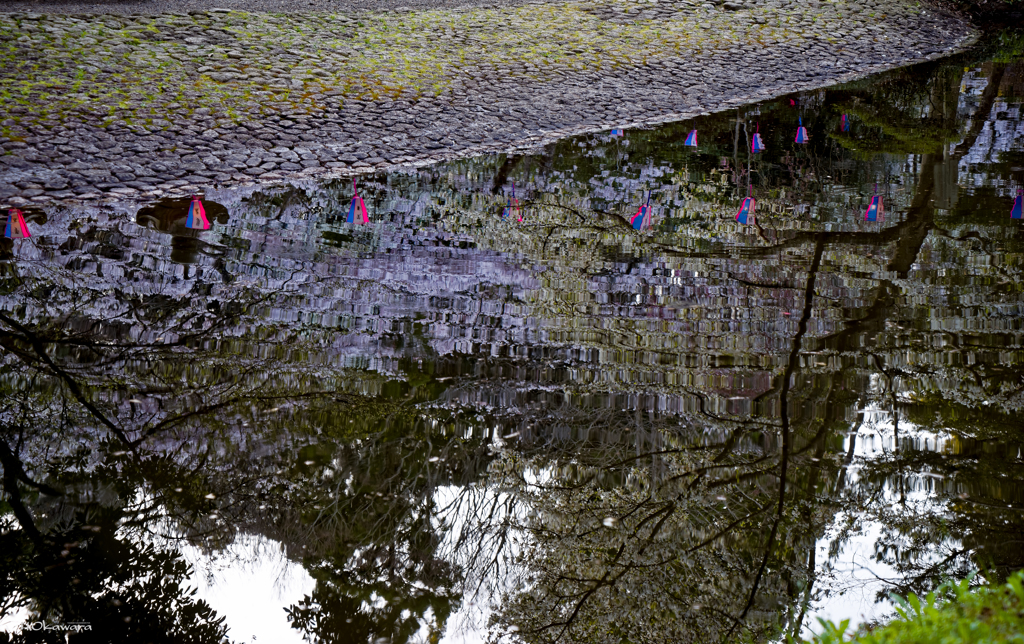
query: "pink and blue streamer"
844, 124
801, 133
756, 144
746, 211
16, 226
1018, 206
197, 215
357, 210
642, 217
875, 208
691, 139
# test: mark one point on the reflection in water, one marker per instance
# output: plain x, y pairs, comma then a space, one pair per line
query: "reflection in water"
181, 219
196, 217
357, 210
16, 227
601, 433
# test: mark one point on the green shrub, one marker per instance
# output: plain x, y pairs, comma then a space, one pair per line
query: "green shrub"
953, 614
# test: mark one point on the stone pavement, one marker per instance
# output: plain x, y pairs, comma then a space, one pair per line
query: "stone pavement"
140, 106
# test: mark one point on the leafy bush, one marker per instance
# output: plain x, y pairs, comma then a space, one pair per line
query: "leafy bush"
953, 614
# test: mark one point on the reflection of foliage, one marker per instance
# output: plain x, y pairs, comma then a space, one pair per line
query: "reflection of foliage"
371, 532
654, 532
626, 435
86, 377
907, 113
955, 613
89, 568
1005, 47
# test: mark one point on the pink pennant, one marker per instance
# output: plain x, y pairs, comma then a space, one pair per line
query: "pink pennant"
801, 133
357, 209
197, 215
16, 227
875, 211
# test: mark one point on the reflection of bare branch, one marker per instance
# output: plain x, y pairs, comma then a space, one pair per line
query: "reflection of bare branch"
72, 385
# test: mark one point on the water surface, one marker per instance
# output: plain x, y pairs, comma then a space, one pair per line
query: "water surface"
456, 424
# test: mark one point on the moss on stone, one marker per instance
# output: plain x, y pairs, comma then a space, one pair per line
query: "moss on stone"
368, 56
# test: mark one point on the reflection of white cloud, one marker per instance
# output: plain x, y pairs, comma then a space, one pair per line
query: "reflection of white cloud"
852, 577
466, 507
14, 620
250, 583
861, 575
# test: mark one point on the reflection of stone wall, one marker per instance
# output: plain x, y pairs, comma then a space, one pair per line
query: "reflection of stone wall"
698, 311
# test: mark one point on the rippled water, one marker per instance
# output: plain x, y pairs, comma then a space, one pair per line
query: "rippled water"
449, 424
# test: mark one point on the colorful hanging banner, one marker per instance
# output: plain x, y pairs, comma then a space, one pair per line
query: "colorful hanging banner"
1018, 206
801, 133
357, 210
512, 207
642, 217
691, 139
16, 227
844, 124
617, 132
875, 209
746, 211
197, 215
756, 144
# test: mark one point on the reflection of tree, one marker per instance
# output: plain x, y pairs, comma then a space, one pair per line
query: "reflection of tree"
630, 436
172, 462
83, 567
372, 533
625, 550
349, 484
80, 506
587, 582
932, 541
687, 548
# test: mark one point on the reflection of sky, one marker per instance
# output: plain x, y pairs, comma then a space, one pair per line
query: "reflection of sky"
14, 620
468, 625
854, 577
250, 583
854, 597
860, 578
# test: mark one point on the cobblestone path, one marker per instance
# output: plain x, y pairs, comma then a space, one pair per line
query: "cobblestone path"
142, 106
